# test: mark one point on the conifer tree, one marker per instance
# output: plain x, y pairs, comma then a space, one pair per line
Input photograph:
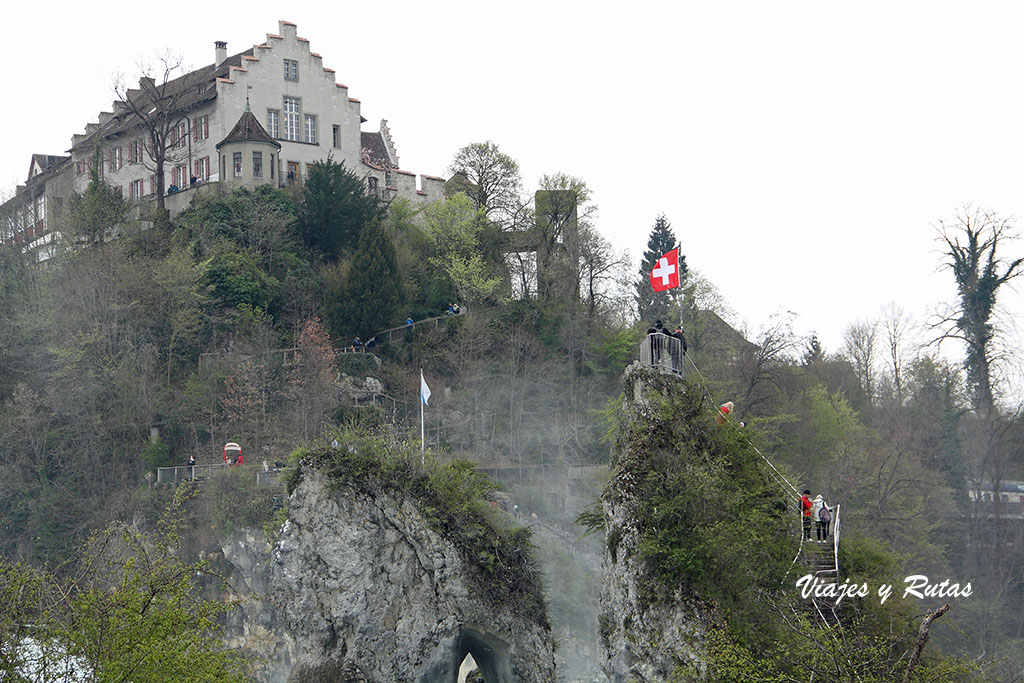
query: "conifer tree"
653, 305
373, 293
335, 208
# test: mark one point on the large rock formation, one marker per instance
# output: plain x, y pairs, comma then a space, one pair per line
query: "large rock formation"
368, 591
649, 632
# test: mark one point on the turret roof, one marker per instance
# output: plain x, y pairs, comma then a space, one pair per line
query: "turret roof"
249, 129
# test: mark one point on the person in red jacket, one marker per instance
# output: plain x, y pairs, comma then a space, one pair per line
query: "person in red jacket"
805, 512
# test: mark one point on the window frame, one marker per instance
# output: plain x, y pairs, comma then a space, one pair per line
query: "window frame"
274, 123
311, 129
293, 73
292, 119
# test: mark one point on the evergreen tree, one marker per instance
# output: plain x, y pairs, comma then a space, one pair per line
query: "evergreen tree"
651, 304
335, 208
100, 208
373, 293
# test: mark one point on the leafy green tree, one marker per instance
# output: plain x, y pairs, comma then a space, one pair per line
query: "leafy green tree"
335, 208
132, 613
100, 208
235, 278
651, 304
453, 227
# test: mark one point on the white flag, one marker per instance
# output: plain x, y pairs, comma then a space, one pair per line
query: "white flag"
424, 390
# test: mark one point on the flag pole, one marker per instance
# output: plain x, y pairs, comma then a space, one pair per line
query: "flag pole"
423, 457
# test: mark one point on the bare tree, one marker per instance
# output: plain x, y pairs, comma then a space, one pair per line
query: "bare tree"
897, 324
859, 347
160, 109
763, 366
972, 241
489, 177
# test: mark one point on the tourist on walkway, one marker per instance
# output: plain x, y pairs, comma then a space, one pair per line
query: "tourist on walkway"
805, 510
192, 466
408, 321
823, 517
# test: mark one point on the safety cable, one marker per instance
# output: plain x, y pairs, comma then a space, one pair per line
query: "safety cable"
782, 477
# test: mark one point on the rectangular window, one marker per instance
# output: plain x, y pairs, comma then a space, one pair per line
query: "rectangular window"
201, 169
200, 128
293, 171
291, 118
271, 166
337, 136
183, 134
117, 158
311, 129
135, 189
133, 152
236, 159
80, 168
291, 70
257, 164
273, 121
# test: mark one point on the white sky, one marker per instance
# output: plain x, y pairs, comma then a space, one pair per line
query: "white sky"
802, 150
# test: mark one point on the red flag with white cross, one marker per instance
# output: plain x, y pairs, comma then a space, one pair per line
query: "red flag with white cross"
666, 272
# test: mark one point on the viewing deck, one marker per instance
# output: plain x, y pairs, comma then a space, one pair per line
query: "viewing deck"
663, 352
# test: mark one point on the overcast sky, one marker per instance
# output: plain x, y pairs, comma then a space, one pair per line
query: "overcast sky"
804, 151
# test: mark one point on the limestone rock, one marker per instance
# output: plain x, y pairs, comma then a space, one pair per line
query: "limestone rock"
643, 640
369, 592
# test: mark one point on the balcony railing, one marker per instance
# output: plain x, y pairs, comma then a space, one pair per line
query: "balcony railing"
662, 352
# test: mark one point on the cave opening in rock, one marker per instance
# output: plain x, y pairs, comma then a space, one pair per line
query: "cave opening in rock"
488, 652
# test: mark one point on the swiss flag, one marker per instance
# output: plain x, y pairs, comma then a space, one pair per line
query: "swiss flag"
666, 272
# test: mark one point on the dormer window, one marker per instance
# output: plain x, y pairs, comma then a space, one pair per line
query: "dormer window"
291, 70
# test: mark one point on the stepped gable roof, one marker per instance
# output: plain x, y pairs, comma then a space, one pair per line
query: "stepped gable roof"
200, 83
249, 129
374, 151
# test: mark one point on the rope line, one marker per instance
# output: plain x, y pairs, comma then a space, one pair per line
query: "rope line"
782, 477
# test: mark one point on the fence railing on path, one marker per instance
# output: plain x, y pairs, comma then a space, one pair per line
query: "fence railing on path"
173, 475
662, 352
436, 320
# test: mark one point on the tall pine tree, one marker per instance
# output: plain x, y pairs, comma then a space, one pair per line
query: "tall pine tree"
335, 208
373, 293
653, 305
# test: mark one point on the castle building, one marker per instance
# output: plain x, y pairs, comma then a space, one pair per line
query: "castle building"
262, 116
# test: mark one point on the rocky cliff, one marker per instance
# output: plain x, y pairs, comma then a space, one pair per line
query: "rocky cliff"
648, 631
369, 590
697, 536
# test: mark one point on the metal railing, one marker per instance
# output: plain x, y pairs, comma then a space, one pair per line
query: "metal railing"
172, 475
662, 352
835, 540
379, 337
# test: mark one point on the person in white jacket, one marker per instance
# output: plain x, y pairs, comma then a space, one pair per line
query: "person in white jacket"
821, 520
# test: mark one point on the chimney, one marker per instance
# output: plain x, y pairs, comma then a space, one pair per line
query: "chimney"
220, 52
